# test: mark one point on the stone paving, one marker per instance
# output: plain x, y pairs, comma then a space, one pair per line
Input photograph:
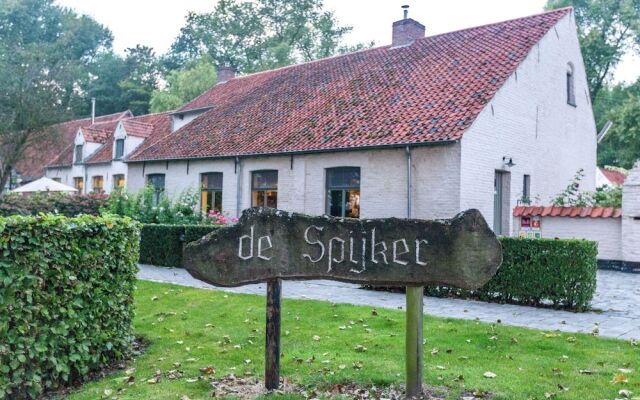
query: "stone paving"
617, 301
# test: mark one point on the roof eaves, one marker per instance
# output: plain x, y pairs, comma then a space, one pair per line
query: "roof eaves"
304, 152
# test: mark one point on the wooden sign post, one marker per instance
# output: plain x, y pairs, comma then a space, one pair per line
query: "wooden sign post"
269, 245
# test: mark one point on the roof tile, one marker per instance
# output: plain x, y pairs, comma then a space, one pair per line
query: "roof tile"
428, 92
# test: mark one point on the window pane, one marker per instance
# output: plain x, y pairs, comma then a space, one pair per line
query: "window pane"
272, 199
156, 180
217, 202
343, 178
352, 209
265, 180
257, 198
118, 181
119, 148
212, 180
335, 203
78, 154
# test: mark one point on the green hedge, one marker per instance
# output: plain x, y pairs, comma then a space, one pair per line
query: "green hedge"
162, 244
561, 273
66, 299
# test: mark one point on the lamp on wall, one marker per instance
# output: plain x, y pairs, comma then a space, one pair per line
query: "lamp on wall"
507, 161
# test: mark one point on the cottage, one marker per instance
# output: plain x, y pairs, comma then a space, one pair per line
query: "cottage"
481, 118
94, 161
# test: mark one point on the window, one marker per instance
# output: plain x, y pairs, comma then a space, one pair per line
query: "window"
78, 154
97, 182
157, 182
211, 192
264, 189
119, 148
571, 93
118, 182
78, 183
343, 192
526, 189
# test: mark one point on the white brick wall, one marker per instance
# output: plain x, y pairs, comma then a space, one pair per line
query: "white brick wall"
606, 231
529, 119
301, 186
631, 216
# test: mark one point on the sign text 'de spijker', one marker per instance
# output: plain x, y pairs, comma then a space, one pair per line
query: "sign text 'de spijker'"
268, 244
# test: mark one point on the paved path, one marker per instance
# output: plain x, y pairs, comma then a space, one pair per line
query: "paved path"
618, 298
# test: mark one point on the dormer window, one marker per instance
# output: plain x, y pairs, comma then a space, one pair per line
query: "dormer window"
571, 91
119, 149
78, 154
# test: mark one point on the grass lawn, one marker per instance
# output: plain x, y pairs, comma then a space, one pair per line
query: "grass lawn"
201, 328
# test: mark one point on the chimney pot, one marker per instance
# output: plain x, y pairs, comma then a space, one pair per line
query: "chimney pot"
406, 31
226, 73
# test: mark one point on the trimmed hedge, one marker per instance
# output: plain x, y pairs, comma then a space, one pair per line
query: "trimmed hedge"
162, 244
561, 273
535, 272
69, 205
66, 299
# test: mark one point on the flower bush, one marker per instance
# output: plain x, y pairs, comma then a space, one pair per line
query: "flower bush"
140, 206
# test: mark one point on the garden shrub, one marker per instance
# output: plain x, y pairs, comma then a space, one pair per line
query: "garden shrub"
534, 272
69, 205
66, 299
162, 244
139, 206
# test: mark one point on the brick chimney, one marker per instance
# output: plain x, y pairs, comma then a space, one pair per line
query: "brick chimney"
406, 31
226, 73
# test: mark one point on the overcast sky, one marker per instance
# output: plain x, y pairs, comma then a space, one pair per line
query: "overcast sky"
156, 23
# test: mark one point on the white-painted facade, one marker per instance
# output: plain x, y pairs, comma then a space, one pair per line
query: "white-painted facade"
529, 121
107, 170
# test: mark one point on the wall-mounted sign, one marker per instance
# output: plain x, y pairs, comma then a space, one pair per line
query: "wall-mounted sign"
530, 227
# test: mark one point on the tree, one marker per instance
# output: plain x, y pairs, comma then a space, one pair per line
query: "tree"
43, 49
184, 85
102, 82
258, 35
621, 146
608, 29
141, 78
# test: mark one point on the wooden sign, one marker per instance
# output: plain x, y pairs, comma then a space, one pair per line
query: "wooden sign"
269, 245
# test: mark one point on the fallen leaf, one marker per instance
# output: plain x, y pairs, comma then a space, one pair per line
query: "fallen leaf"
208, 370
360, 348
619, 378
489, 375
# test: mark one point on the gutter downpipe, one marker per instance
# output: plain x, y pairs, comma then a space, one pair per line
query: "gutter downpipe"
414, 315
238, 186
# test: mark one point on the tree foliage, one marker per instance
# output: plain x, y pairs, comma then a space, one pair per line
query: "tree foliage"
621, 146
184, 85
259, 35
608, 29
43, 49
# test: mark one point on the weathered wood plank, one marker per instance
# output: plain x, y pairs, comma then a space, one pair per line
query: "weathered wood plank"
413, 341
268, 244
272, 336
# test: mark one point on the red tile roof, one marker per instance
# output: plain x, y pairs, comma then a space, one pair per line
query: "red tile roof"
615, 177
431, 91
45, 147
152, 127
571, 212
134, 127
96, 134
